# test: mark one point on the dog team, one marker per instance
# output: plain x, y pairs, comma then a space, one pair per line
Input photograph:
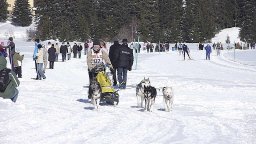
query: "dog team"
145, 93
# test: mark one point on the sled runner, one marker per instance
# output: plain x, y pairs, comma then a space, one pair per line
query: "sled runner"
108, 94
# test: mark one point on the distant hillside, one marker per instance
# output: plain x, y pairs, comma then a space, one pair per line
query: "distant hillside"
233, 34
8, 30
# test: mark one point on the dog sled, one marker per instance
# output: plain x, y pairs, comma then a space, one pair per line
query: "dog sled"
102, 75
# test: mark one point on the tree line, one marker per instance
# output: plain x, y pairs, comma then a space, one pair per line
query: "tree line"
148, 20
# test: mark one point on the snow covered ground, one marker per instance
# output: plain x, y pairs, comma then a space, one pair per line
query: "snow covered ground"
214, 103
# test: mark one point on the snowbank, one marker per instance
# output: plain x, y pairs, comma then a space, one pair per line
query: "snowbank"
8, 30
233, 33
246, 57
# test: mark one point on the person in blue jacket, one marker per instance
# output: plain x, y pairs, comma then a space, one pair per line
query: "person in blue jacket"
208, 50
37, 41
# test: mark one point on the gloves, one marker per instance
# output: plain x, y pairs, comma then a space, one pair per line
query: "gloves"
129, 69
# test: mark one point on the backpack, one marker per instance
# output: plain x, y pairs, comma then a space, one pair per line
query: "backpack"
4, 79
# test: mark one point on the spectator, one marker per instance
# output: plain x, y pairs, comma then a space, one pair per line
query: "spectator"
75, 50
124, 62
57, 52
37, 42
40, 61
8, 81
112, 53
51, 56
86, 46
3, 51
63, 51
17, 60
69, 51
11, 47
79, 50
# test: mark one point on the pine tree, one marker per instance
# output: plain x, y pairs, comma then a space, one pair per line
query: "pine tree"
248, 28
44, 17
226, 13
198, 21
61, 20
162, 20
81, 19
112, 17
149, 20
3, 10
21, 13
170, 20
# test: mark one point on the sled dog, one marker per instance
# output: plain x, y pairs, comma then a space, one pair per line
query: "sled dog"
150, 96
168, 98
140, 91
94, 93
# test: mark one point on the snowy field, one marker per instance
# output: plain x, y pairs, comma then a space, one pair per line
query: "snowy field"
214, 103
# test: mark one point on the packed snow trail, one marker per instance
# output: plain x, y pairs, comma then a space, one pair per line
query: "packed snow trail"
214, 103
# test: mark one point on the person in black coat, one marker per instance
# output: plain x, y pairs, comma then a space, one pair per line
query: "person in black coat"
112, 53
51, 56
63, 51
124, 62
11, 47
79, 50
201, 46
75, 50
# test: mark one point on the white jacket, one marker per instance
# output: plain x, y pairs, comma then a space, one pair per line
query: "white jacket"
69, 49
57, 49
40, 56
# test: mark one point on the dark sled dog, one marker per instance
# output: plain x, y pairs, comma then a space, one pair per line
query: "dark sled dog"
94, 92
108, 94
140, 91
150, 96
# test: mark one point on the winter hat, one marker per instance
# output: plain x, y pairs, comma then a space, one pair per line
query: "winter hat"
116, 42
96, 42
37, 40
124, 40
39, 46
10, 38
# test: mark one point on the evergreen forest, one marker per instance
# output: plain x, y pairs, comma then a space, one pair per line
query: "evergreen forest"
146, 20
